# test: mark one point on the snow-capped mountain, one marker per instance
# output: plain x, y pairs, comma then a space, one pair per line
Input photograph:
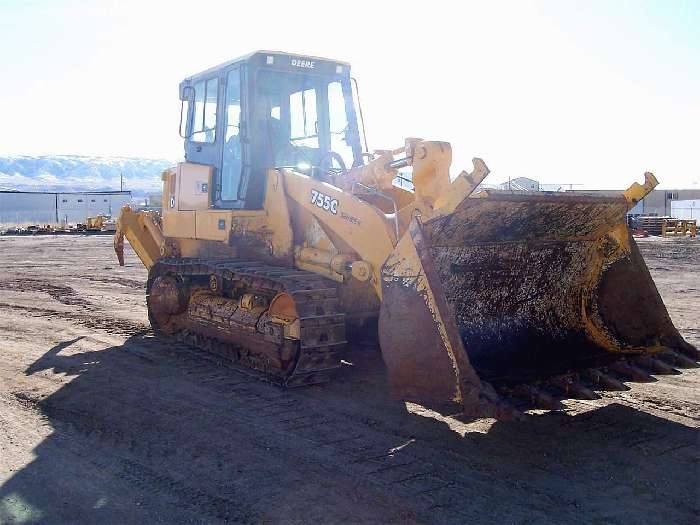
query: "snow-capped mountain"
81, 173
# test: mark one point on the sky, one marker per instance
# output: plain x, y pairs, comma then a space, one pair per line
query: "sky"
590, 93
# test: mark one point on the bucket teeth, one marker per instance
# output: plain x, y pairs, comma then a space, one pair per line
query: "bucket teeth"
538, 397
572, 387
679, 359
656, 366
634, 373
607, 382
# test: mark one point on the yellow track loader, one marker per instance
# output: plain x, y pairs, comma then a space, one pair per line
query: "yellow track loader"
281, 237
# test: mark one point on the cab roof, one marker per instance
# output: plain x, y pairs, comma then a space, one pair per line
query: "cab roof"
256, 55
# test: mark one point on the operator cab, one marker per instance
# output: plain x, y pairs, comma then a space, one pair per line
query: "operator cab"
268, 110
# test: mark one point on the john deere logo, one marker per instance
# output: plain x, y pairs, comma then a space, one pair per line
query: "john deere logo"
309, 64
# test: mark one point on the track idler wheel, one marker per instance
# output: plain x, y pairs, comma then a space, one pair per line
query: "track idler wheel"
167, 297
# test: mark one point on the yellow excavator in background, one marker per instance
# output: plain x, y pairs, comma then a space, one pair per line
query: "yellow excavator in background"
281, 237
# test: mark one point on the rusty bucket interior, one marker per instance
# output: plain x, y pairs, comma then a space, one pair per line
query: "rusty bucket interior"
513, 289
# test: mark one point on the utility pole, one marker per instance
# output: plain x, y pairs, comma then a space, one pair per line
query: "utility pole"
121, 181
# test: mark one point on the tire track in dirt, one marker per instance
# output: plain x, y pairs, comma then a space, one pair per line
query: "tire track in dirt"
61, 293
127, 283
93, 320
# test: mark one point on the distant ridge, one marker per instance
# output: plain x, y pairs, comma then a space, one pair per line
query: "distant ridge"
81, 173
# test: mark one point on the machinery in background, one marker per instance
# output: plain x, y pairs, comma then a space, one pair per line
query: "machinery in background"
679, 227
100, 223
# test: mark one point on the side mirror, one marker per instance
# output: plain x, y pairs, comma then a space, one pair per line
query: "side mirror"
186, 96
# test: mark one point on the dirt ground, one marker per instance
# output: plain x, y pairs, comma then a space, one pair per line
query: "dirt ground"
102, 423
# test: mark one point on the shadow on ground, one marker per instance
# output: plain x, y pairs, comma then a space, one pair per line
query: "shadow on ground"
147, 432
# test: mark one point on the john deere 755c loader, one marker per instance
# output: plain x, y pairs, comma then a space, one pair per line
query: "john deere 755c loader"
281, 237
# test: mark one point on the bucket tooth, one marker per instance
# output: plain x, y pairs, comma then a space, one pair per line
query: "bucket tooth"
608, 383
572, 387
679, 359
634, 373
654, 365
538, 397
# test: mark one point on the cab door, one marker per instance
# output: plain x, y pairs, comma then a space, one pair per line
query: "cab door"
204, 139
231, 180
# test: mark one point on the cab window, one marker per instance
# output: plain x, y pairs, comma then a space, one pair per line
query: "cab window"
339, 125
204, 121
302, 118
304, 121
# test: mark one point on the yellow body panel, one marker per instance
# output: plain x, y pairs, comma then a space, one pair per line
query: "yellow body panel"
212, 225
179, 224
361, 226
194, 186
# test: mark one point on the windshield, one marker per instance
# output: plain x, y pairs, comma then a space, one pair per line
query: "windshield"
305, 117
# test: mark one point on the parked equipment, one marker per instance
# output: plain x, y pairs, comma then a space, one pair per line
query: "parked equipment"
683, 227
652, 224
96, 224
281, 237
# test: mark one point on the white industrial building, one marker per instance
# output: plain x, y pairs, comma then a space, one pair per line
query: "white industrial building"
23, 207
686, 209
520, 184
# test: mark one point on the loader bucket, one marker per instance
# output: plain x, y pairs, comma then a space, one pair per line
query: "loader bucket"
509, 290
